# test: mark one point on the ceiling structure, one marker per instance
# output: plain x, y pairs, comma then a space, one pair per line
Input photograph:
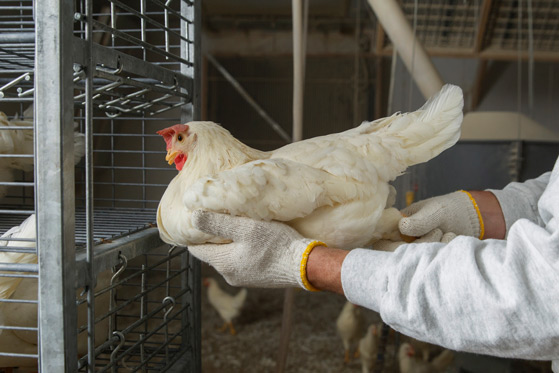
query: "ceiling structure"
481, 29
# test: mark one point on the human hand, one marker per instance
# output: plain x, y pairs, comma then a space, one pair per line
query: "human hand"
455, 212
435, 235
262, 254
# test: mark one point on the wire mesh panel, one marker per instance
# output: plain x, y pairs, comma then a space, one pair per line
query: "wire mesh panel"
498, 28
84, 86
450, 24
512, 22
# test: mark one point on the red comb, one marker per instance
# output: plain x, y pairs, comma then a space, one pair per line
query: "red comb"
169, 132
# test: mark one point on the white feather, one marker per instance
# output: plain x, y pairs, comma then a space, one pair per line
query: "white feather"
334, 188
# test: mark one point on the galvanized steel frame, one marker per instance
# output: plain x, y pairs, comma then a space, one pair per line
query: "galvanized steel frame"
55, 187
61, 268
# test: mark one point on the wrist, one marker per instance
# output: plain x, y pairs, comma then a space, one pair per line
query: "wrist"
324, 268
491, 213
303, 265
473, 214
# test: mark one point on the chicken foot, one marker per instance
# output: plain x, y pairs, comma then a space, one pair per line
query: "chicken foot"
230, 326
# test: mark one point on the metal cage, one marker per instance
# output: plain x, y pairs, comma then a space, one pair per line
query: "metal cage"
84, 86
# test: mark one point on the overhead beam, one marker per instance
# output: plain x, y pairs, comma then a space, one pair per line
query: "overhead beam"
319, 44
482, 27
277, 43
477, 93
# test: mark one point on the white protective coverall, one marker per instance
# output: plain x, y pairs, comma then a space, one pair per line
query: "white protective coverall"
493, 297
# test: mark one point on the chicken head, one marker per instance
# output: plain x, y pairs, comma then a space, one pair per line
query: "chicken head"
179, 142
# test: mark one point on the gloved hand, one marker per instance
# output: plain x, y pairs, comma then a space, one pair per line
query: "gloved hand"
436, 235
455, 212
262, 254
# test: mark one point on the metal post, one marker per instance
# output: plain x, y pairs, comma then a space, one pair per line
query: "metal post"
299, 10
54, 194
90, 281
192, 53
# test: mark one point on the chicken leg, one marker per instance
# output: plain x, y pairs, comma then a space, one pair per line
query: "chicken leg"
230, 326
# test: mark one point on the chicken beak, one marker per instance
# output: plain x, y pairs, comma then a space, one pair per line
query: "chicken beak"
171, 155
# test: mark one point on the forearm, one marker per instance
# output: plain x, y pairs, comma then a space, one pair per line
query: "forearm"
324, 268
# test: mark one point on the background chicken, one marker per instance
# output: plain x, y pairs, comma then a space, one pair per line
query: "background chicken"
422, 349
15, 141
368, 347
349, 325
228, 306
18, 314
410, 363
334, 188
26, 232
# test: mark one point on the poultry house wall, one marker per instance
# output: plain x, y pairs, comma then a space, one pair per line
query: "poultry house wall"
329, 105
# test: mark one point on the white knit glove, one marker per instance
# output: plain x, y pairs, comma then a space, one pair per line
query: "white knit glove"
262, 254
435, 235
456, 212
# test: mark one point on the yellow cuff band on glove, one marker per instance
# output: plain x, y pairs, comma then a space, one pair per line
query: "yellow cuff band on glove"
303, 268
481, 226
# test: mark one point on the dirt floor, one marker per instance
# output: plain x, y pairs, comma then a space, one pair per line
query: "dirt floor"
314, 344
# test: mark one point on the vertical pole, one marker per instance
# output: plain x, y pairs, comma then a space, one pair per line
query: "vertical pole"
298, 68
299, 10
192, 52
54, 193
356, 56
90, 281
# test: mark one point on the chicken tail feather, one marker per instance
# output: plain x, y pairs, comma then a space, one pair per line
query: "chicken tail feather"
443, 360
433, 128
240, 297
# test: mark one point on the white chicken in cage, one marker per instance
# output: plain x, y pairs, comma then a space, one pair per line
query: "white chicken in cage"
21, 312
15, 142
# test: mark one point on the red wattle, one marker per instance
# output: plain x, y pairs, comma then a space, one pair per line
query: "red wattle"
179, 161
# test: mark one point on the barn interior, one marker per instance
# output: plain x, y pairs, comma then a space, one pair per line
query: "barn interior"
86, 282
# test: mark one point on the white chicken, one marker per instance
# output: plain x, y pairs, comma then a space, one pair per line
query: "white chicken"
368, 347
409, 363
20, 142
422, 348
24, 314
25, 234
227, 306
334, 188
349, 325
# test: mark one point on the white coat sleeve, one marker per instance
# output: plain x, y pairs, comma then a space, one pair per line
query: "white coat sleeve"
495, 297
520, 200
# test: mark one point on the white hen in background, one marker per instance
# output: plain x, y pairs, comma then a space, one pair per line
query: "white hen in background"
16, 141
368, 347
409, 363
349, 325
25, 231
334, 188
227, 306
24, 314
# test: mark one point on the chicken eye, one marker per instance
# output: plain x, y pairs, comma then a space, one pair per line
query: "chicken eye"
179, 137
